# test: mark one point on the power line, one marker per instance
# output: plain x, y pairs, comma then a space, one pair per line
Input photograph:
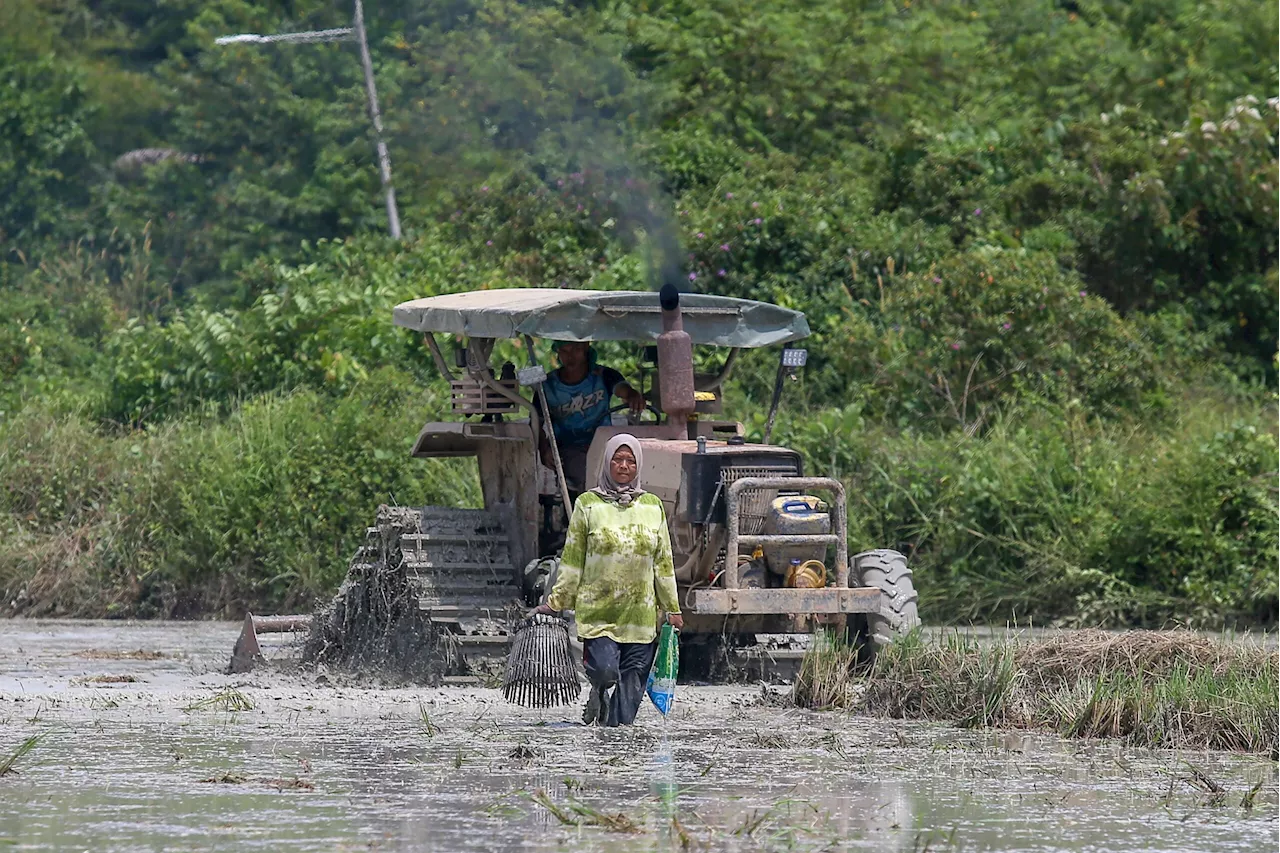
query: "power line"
339, 34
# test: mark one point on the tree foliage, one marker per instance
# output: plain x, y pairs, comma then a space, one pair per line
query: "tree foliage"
1000, 217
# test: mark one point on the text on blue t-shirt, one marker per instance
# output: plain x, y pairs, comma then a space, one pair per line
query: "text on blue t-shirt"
576, 410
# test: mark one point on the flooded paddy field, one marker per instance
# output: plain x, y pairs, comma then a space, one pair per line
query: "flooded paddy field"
146, 745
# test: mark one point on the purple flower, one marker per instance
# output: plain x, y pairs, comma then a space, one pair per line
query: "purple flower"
488, 242
1007, 326
693, 276
754, 205
560, 182
1082, 293
757, 220
701, 236
955, 346
1042, 306
579, 206
977, 211
484, 189
728, 195
724, 247
937, 280
720, 272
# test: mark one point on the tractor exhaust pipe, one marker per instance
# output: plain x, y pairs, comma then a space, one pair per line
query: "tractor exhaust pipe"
675, 363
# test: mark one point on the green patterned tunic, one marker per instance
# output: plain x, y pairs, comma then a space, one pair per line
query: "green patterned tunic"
616, 569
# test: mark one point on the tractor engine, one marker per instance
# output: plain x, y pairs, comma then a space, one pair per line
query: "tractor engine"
693, 469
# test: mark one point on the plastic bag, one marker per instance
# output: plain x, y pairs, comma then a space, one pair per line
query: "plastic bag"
666, 666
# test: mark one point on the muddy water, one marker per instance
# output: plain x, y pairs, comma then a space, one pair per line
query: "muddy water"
123, 765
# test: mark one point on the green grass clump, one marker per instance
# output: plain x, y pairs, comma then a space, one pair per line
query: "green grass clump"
1169, 689
823, 681
8, 762
1234, 710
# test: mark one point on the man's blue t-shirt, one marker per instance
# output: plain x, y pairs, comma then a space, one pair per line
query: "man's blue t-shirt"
576, 410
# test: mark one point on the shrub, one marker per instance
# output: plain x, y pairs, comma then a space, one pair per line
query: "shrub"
324, 324
949, 345
1052, 517
43, 143
206, 516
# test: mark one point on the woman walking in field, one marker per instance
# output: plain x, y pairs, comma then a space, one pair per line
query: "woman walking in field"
615, 573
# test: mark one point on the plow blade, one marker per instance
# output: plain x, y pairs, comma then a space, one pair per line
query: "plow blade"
251, 651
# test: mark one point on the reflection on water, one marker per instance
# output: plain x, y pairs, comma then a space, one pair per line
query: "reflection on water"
125, 767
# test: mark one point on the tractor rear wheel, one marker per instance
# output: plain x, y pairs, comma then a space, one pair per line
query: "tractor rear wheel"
887, 571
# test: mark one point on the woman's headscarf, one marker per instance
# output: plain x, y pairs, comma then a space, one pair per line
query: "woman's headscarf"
609, 488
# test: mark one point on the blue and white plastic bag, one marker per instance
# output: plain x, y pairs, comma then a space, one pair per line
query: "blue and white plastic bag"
666, 666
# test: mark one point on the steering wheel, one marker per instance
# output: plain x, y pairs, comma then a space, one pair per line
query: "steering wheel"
634, 418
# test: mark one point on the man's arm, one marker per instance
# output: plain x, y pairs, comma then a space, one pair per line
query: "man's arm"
620, 389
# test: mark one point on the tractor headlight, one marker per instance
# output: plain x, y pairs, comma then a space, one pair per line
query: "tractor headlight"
533, 375
793, 359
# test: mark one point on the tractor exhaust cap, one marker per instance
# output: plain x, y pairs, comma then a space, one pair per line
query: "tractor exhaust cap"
669, 297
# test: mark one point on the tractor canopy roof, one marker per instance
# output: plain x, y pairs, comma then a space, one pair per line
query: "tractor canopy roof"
600, 315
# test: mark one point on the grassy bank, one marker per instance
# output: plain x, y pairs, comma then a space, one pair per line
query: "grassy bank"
1167, 689
208, 515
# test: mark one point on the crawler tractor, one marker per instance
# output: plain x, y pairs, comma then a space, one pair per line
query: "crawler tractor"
760, 545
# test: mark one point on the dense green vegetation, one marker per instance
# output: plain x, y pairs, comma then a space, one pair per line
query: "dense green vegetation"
1036, 242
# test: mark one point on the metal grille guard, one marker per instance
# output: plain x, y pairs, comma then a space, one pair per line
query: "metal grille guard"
837, 599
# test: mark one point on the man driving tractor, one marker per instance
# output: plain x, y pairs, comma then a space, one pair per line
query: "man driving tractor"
578, 395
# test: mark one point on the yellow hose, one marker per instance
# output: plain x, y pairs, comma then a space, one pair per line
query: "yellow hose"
811, 574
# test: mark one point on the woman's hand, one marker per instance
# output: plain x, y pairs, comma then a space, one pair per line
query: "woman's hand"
545, 610
676, 620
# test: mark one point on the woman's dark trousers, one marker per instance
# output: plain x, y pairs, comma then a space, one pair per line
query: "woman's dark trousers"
624, 667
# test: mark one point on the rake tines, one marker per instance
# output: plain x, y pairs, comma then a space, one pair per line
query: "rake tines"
541, 672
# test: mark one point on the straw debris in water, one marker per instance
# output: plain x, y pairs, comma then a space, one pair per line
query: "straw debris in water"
1172, 689
227, 699
575, 813
116, 654
105, 679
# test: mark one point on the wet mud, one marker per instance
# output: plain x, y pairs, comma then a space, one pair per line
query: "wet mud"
146, 745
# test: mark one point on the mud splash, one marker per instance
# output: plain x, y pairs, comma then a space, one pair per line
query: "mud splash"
185, 757
373, 626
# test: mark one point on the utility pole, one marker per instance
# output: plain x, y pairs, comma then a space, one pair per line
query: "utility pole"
356, 32
384, 159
